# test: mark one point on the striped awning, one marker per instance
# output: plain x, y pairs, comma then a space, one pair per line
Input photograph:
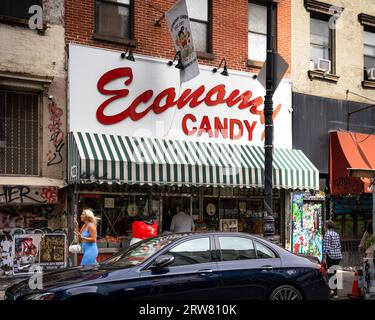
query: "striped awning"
118, 159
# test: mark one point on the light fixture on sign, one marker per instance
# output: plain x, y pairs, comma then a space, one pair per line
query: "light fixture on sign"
225, 70
179, 61
130, 55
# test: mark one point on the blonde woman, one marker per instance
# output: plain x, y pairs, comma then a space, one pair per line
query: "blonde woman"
87, 236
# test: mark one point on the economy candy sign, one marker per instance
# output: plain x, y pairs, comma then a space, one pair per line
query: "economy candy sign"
144, 98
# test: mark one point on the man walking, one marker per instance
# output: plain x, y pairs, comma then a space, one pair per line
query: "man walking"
331, 250
182, 222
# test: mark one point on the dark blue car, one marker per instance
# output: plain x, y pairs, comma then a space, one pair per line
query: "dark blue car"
188, 266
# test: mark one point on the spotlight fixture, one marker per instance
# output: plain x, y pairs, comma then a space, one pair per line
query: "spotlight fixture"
179, 64
225, 70
129, 56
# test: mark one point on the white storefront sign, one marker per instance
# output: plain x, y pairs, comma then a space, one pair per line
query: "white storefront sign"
144, 98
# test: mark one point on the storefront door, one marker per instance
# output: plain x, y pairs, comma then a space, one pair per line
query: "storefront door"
170, 206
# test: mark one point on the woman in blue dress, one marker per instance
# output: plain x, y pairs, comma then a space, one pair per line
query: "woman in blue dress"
87, 236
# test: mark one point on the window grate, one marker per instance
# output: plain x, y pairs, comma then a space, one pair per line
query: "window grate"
19, 133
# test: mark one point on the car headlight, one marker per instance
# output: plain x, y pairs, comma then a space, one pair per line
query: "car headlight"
41, 296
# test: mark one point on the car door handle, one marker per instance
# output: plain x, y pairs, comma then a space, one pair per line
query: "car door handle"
204, 272
266, 268
129, 289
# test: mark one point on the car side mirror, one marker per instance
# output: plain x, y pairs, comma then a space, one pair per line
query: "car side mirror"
163, 261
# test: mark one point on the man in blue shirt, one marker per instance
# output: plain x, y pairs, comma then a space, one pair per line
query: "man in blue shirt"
331, 249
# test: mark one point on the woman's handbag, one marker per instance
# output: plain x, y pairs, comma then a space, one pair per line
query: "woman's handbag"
75, 248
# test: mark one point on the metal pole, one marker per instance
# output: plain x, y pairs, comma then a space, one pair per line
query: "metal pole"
268, 221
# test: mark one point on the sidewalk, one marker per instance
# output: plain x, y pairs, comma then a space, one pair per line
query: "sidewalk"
348, 277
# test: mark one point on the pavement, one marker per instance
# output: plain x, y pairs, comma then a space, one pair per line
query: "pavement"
347, 277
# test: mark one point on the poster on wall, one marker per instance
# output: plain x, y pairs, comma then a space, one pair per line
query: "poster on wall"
26, 248
230, 225
53, 251
307, 222
6, 253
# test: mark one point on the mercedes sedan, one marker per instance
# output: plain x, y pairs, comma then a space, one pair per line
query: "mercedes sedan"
211, 266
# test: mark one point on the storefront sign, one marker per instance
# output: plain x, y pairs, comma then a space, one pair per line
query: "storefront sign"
28, 195
144, 99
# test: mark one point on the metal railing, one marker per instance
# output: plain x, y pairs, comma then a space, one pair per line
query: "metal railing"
351, 256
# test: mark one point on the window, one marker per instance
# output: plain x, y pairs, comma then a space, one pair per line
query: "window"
236, 248
191, 252
257, 32
199, 15
320, 43
18, 9
19, 133
114, 18
369, 51
264, 252
322, 39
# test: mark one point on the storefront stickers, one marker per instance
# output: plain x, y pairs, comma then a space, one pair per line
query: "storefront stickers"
145, 99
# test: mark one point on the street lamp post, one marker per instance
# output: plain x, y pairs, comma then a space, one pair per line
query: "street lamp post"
268, 220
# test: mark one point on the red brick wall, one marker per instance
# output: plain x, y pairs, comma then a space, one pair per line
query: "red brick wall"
229, 25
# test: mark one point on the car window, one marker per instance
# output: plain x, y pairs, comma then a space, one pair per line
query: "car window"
191, 252
264, 252
236, 248
138, 252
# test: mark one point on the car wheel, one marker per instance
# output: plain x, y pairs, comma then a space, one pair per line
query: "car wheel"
286, 292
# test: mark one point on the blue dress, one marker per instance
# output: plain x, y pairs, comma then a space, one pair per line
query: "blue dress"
90, 251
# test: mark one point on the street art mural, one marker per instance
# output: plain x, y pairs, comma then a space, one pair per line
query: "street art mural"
57, 135
25, 194
307, 234
34, 217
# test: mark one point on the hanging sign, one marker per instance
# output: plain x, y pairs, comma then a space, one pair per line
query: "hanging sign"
179, 26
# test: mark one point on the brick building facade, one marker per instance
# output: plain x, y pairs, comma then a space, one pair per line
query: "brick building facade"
229, 28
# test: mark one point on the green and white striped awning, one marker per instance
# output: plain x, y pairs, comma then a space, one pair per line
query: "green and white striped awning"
117, 159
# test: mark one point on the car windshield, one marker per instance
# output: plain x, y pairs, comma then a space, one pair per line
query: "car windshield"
139, 252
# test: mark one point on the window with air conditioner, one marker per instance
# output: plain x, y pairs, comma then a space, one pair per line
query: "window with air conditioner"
369, 55
320, 46
19, 133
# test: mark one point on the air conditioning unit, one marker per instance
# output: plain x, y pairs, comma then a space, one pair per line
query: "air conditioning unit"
371, 74
323, 65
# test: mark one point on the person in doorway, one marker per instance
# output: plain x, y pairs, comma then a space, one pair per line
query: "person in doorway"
87, 236
182, 222
365, 248
331, 250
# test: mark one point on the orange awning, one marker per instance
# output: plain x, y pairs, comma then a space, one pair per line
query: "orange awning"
350, 150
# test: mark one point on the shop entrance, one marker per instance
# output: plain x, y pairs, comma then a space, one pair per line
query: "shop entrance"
170, 206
